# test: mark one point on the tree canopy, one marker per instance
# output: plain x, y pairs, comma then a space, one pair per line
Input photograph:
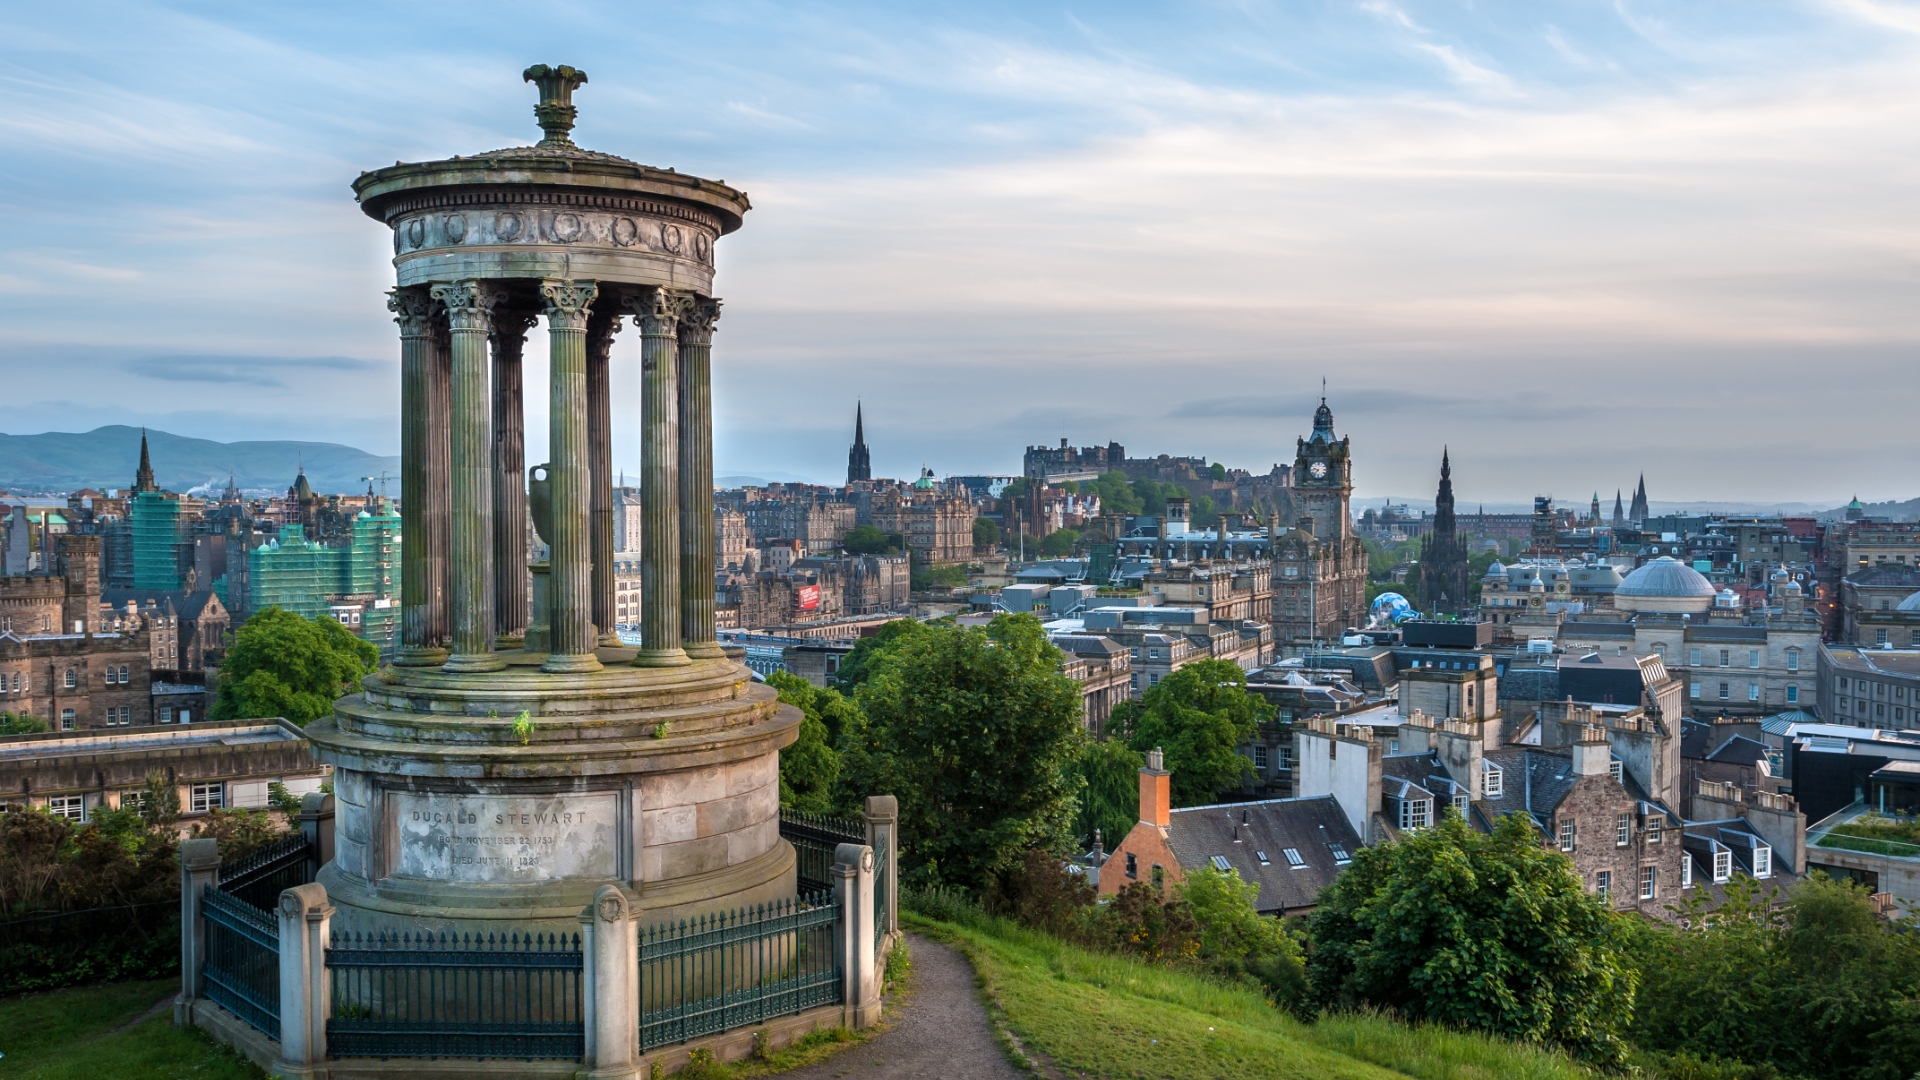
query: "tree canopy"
1110, 800
283, 664
866, 540
985, 533
811, 765
1059, 542
1462, 928
974, 730
1199, 716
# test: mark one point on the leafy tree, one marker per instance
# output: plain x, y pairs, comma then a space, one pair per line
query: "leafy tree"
1153, 495
974, 729
283, 664
1110, 802
809, 767
985, 534
854, 666
21, 724
938, 577
866, 540
1059, 542
159, 801
1116, 494
1217, 471
1236, 941
1492, 932
1199, 716
1202, 515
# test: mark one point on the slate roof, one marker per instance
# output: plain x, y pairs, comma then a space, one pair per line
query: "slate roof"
1883, 575
1597, 628
1240, 832
1535, 783
1530, 683
1696, 738
1739, 750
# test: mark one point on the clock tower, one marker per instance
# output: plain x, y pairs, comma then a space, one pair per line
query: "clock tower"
1323, 479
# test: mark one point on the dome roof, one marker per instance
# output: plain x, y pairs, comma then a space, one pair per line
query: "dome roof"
1665, 576
1495, 570
1911, 603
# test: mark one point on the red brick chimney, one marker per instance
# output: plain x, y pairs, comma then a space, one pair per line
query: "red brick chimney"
1156, 792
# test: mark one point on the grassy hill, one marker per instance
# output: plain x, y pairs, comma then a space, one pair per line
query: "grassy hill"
106, 457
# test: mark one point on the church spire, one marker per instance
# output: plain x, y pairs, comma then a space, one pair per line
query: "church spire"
143, 477
859, 462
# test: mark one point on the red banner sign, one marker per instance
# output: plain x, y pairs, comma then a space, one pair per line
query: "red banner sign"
809, 597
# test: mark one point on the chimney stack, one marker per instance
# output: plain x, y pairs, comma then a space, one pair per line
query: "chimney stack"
1156, 791
1591, 751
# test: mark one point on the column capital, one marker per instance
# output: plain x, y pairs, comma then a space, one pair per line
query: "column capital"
469, 303
655, 311
698, 317
568, 303
413, 309
510, 325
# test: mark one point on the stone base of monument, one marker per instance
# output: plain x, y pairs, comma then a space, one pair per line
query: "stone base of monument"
498, 802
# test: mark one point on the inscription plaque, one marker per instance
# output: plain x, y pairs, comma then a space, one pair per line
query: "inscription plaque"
503, 839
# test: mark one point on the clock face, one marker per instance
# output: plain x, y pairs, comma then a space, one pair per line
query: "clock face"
1318, 469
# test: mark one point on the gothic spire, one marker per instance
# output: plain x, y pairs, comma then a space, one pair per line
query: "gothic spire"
143, 477
859, 461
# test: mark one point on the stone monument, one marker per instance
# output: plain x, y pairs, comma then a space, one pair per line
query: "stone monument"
516, 757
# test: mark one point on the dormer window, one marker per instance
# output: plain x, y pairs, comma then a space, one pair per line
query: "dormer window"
1493, 780
1613, 769
1762, 861
1416, 813
1722, 866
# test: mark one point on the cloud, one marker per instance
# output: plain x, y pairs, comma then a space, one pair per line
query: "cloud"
243, 370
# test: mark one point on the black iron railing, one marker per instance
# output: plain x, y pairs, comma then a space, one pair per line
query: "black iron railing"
242, 967
259, 877
814, 838
736, 969
456, 995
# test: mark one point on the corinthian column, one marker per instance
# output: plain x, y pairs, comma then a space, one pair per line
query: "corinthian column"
600, 331
509, 479
568, 304
469, 307
412, 310
439, 476
654, 311
697, 318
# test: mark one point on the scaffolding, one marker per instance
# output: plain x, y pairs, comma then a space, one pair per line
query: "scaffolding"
156, 541
298, 575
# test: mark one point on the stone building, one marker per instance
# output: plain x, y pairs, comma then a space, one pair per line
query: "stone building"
937, 526
732, 540
817, 521
1443, 554
212, 766
63, 657
1880, 605
1873, 688
1104, 669
188, 632
1320, 566
1232, 591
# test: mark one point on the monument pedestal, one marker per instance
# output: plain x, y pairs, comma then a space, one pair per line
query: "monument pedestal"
456, 813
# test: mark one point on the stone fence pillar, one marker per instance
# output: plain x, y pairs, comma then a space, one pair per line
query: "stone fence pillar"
883, 836
316, 824
199, 865
853, 934
610, 1005
305, 992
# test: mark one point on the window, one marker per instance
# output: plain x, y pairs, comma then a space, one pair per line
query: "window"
1133, 865
1686, 871
1393, 746
1722, 866
1415, 813
207, 797
1649, 882
1793, 694
1566, 834
73, 807
1461, 804
1159, 876
1753, 691
1603, 884
1614, 769
67, 720
1292, 855
1762, 861
1693, 657
1493, 780
1880, 637
1724, 653
1260, 756
1262, 856
1693, 690
133, 800
1725, 693
1340, 856
1653, 830
1221, 864
1793, 659
72, 679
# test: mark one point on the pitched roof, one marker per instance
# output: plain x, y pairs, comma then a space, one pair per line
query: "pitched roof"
1312, 828
1739, 750
1536, 783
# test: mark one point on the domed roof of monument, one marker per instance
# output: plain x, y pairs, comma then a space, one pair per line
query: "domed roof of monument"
555, 161
1665, 576
1911, 603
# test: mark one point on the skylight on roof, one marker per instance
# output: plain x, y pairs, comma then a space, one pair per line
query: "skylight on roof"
1221, 864
1340, 855
1262, 856
1293, 858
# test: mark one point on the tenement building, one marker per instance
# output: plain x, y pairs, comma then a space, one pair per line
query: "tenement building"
1320, 566
65, 658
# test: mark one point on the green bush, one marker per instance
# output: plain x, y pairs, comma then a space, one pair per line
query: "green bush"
286, 665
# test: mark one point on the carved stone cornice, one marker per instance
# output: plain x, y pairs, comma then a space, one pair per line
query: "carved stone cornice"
413, 309
568, 303
698, 317
469, 304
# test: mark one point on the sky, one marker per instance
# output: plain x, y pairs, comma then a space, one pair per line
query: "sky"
1572, 242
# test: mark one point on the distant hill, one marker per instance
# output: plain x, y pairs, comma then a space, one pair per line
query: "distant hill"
107, 457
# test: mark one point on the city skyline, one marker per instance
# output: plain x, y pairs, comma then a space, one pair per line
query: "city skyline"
1569, 242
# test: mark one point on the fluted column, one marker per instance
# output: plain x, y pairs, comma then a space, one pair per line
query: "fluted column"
568, 305
509, 478
469, 307
601, 328
412, 309
697, 319
439, 475
654, 311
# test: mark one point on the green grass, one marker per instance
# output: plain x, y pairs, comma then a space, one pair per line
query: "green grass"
70, 1034
1113, 1016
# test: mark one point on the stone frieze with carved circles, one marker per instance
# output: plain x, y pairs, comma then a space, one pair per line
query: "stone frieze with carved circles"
546, 227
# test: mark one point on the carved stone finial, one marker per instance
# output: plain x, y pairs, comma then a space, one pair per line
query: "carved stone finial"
555, 111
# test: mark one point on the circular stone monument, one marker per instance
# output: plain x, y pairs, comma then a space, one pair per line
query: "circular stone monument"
516, 755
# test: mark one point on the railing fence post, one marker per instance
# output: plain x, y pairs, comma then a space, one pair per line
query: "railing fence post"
199, 864
612, 1009
316, 825
304, 918
853, 934
883, 834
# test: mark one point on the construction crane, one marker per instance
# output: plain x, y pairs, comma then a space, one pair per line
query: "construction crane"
382, 478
